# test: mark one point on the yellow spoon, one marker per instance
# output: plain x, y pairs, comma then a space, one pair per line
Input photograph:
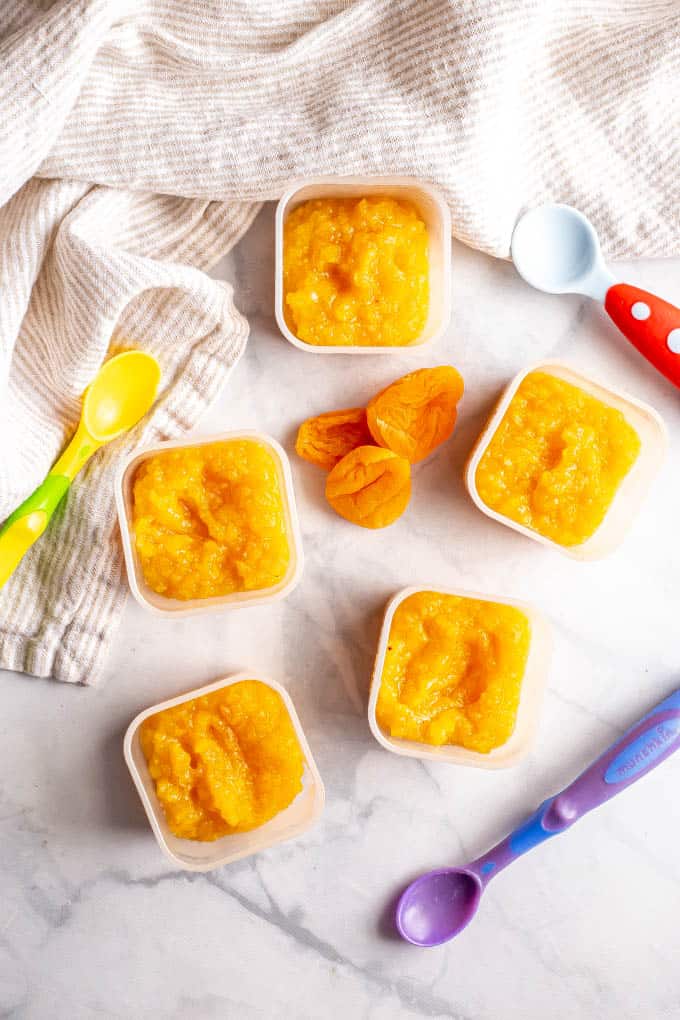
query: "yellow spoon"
120, 394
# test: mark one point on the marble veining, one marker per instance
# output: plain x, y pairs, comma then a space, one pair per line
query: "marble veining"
94, 923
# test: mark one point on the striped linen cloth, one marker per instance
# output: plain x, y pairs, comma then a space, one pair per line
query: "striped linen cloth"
138, 136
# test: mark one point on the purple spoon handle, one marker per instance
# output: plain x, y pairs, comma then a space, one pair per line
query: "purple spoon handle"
641, 748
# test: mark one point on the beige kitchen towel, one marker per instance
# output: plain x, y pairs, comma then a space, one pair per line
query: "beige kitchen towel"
137, 136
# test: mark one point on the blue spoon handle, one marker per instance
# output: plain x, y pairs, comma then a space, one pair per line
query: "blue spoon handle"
641, 748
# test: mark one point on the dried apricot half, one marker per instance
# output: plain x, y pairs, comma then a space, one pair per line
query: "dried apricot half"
326, 439
370, 486
413, 415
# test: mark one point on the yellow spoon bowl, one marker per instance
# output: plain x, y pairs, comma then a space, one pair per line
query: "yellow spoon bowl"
120, 394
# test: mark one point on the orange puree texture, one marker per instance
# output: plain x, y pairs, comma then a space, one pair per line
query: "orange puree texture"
453, 671
556, 459
225, 762
355, 272
209, 520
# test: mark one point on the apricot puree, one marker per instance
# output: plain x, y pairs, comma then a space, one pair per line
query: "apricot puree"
209, 520
225, 762
556, 459
453, 671
355, 272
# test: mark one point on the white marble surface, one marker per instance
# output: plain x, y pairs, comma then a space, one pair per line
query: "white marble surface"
93, 922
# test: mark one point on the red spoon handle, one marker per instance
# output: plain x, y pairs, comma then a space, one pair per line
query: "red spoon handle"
651, 324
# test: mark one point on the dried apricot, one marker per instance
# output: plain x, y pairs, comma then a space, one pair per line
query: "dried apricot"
413, 415
370, 486
326, 439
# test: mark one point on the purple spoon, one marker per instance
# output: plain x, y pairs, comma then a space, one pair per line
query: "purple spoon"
438, 905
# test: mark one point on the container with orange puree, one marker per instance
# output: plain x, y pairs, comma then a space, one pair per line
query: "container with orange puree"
557, 459
356, 272
452, 671
224, 762
209, 520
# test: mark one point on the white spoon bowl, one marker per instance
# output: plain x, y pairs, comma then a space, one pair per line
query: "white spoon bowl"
555, 249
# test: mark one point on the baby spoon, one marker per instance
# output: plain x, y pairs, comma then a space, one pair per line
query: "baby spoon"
120, 394
439, 904
555, 249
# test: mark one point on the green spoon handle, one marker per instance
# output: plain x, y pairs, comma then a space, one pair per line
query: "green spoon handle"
26, 524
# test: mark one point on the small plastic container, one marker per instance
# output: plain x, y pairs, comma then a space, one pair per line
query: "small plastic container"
161, 604
435, 213
645, 420
531, 694
193, 855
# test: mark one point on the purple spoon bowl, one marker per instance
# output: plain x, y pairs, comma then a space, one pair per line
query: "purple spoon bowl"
437, 906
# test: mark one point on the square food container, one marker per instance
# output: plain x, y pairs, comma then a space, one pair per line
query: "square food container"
193, 855
161, 604
531, 692
628, 498
435, 213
